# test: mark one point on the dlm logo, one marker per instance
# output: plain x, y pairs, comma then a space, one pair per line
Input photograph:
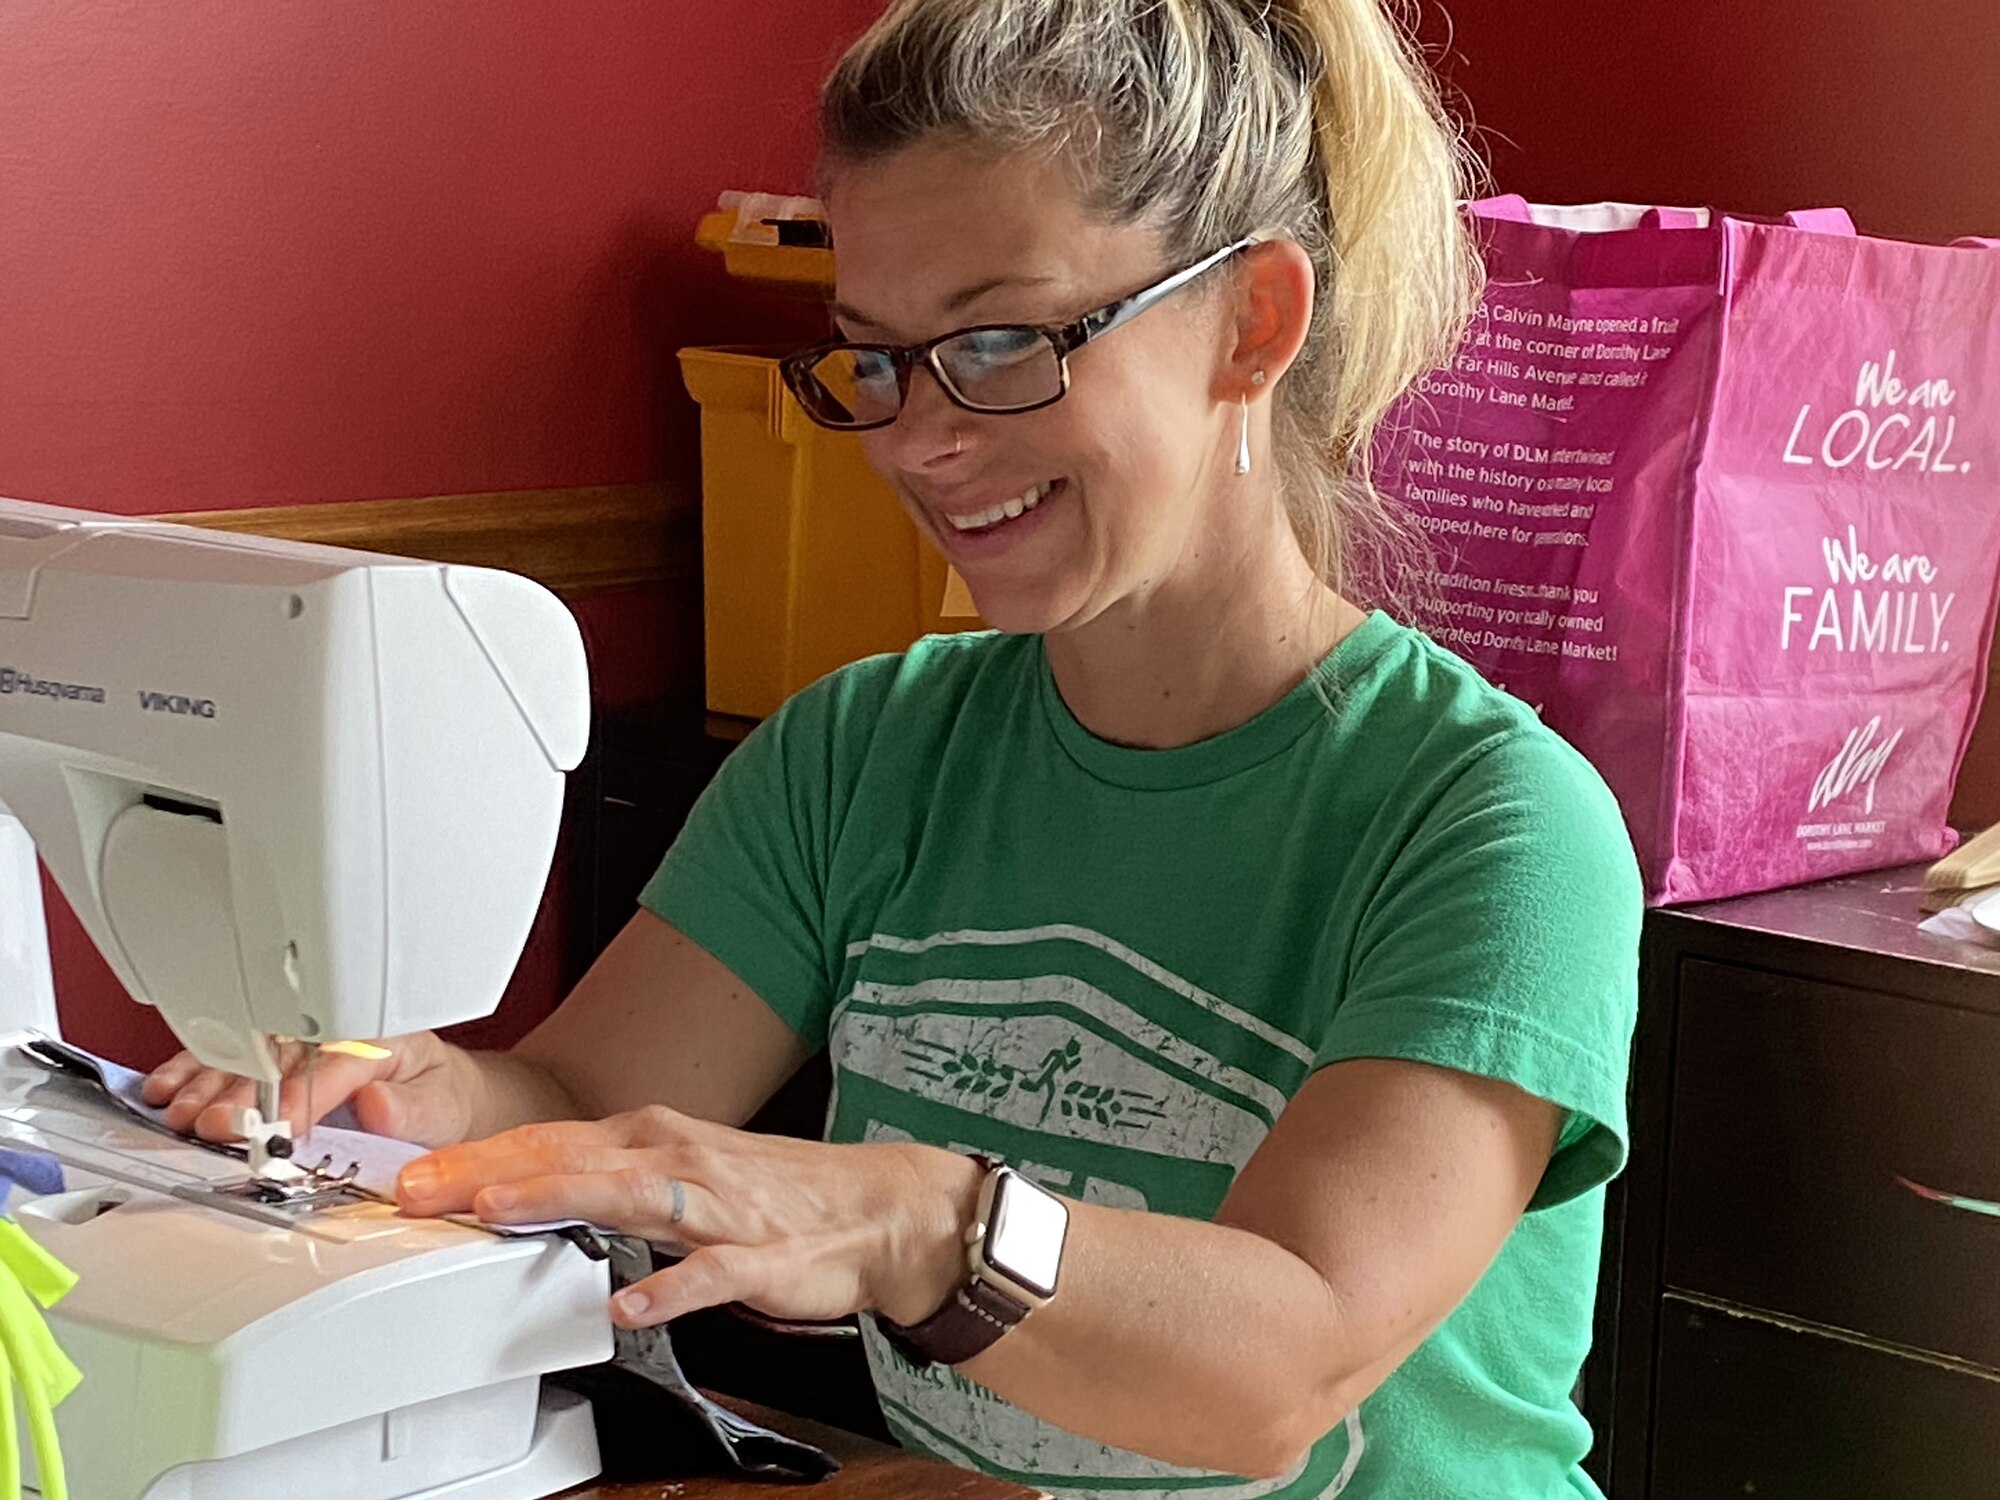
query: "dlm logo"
1858, 764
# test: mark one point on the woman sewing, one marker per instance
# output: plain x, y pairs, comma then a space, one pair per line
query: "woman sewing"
1249, 979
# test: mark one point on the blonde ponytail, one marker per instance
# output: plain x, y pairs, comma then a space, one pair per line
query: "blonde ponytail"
1400, 281
1208, 120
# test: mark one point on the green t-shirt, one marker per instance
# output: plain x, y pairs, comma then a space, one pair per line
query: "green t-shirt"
1113, 967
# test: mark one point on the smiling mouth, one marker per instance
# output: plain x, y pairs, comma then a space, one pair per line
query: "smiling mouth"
999, 515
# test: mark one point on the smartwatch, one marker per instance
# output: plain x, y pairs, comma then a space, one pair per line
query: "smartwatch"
1014, 1251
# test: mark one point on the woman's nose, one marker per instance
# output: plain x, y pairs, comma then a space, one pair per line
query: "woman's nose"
929, 432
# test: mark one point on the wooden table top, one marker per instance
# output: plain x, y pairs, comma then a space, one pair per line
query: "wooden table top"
868, 1471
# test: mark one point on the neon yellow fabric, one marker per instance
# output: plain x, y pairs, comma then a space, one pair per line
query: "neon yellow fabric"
30, 1357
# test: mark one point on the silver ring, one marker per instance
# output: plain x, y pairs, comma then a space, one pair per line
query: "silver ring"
680, 1200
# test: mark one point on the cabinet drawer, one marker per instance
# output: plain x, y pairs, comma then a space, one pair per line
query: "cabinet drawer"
1796, 1108
1745, 1407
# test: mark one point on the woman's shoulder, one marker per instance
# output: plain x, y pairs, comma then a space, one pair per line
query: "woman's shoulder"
1457, 734
1408, 674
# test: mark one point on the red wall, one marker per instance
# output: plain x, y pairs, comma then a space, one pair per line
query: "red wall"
1884, 108
257, 254
277, 254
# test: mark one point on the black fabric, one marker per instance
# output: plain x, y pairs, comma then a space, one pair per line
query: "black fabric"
652, 1422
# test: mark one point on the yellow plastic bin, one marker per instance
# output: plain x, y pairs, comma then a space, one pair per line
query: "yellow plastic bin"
808, 561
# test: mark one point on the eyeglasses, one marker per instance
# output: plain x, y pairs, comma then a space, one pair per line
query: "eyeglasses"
996, 368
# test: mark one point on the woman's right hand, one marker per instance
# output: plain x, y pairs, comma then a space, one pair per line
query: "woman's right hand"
421, 1092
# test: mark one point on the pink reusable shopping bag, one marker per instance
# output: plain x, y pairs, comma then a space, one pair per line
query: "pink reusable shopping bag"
1722, 499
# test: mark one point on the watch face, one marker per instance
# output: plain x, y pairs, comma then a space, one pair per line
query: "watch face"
1025, 1238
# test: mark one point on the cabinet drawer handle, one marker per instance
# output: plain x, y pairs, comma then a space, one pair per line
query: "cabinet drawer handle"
1950, 1200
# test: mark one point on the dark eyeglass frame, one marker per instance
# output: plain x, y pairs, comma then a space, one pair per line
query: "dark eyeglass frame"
1064, 338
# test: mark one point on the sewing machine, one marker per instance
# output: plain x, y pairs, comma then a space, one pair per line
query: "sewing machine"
291, 792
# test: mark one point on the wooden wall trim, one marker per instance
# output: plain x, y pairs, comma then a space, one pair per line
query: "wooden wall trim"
573, 541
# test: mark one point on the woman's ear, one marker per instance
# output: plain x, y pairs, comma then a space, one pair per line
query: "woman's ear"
1274, 307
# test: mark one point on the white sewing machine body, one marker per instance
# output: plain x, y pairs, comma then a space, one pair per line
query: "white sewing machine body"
380, 745
290, 791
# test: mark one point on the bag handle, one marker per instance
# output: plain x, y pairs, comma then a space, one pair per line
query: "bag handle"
1822, 220
1815, 220
1672, 218
1511, 206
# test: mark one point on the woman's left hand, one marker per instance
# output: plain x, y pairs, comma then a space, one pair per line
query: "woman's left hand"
794, 1229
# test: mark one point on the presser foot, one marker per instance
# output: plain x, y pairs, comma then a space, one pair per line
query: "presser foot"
284, 1206
280, 1196
288, 1183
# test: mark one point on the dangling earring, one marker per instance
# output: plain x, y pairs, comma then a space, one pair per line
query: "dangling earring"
1243, 433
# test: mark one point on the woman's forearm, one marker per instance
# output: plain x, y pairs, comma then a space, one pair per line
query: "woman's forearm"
1190, 1342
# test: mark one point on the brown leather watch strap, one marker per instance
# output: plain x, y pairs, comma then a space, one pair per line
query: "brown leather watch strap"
972, 1318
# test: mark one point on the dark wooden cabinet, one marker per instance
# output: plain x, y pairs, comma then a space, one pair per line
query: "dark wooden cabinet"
645, 772
1785, 1313
1748, 1406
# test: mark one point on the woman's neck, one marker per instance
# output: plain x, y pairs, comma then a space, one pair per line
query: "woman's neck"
1204, 652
